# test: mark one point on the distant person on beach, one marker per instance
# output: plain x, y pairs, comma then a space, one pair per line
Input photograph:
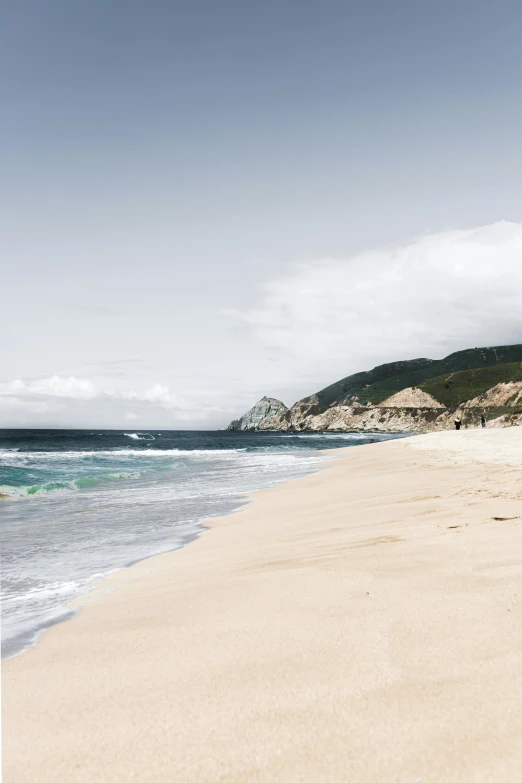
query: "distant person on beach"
458, 424
483, 421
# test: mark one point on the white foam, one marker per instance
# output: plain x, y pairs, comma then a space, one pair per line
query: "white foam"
40, 490
125, 474
49, 590
58, 456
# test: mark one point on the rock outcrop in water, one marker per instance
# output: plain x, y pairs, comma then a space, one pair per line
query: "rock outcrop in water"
421, 395
267, 407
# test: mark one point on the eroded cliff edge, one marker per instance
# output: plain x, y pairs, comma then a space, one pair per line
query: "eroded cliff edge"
421, 395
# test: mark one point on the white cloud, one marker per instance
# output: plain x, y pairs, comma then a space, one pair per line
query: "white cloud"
55, 386
436, 294
67, 397
84, 389
157, 394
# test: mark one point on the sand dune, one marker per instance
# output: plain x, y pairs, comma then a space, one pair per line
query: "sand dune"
361, 624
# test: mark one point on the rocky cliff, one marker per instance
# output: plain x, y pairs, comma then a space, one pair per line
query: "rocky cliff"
381, 418
448, 380
385, 399
267, 407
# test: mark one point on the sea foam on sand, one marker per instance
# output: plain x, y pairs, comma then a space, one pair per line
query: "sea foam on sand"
360, 624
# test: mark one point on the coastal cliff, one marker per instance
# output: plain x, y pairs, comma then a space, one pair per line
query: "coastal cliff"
346, 418
266, 408
421, 395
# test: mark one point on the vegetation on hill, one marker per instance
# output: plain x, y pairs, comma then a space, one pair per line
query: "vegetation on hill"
387, 379
456, 388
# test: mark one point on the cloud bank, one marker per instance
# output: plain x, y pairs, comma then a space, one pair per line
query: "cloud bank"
84, 389
433, 295
66, 396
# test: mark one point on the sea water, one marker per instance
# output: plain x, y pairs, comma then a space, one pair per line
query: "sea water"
78, 504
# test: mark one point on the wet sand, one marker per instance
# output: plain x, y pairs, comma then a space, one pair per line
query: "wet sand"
360, 624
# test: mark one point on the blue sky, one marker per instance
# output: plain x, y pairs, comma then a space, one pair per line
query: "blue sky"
168, 166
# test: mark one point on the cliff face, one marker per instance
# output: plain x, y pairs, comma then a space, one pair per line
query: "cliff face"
407, 411
477, 368
345, 418
503, 394
380, 418
409, 396
267, 407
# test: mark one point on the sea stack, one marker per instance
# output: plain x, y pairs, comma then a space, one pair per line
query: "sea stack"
263, 409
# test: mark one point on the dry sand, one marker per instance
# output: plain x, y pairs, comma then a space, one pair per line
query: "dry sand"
360, 624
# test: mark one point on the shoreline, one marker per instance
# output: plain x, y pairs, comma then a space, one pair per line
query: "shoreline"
74, 606
71, 608
347, 624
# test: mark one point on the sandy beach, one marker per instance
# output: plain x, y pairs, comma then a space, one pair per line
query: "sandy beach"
360, 624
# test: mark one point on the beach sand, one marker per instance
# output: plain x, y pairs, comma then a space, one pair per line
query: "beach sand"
363, 624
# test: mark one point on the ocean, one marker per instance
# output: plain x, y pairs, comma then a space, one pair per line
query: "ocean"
76, 505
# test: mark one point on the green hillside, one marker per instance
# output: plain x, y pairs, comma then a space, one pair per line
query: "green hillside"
458, 387
383, 381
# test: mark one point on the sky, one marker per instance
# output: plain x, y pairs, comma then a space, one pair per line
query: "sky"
205, 202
